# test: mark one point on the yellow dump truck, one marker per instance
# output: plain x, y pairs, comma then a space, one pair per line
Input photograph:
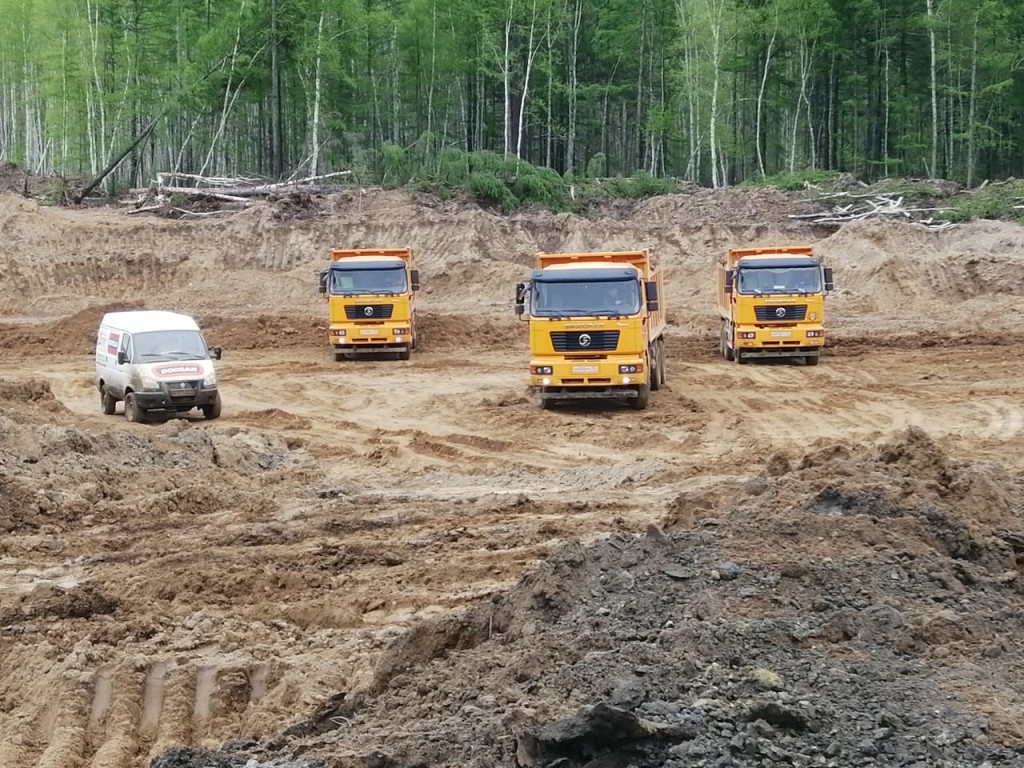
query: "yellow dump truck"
371, 303
771, 303
596, 326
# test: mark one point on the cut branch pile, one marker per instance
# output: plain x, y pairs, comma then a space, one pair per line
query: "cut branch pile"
237, 193
873, 205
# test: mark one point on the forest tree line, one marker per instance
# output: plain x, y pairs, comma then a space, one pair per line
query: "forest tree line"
713, 91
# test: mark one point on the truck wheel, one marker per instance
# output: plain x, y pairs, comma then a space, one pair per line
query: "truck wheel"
643, 397
654, 367
404, 354
737, 355
212, 411
812, 359
132, 410
339, 356
723, 344
107, 402
662, 362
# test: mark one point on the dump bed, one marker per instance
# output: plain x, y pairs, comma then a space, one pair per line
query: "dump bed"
639, 259
348, 253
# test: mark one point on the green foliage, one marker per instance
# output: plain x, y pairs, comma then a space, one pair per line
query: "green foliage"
794, 181
996, 201
597, 166
638, 187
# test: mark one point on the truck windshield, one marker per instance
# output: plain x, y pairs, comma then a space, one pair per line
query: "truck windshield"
153, 346
585, 299
348, 282
765, 280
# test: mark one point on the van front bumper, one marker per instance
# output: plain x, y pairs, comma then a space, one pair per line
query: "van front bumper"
175, 400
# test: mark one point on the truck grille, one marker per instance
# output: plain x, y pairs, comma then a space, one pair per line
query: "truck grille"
376, 311
790, 313
584, 341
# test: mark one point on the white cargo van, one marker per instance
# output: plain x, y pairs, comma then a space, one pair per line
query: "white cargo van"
155, 361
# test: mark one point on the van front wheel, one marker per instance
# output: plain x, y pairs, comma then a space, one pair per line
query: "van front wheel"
107, 402
132, 410
212, 411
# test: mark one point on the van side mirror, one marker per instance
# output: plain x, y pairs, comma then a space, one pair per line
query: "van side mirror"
323, 281
215, 352
122, 357
651, 295
829, 284
414, 276
729, 275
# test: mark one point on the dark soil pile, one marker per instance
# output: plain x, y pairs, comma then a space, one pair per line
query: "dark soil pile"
851, 607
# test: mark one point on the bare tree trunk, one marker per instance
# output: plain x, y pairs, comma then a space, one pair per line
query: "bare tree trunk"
314, 138
933, 170
574, 48
973, 105
531, 53
506, 76
760, 97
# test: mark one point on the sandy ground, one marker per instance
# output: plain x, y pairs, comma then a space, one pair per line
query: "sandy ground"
191, 583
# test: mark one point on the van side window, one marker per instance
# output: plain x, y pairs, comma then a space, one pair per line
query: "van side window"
126, 346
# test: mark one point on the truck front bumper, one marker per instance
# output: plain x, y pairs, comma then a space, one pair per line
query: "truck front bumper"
755, 341
557, 378
353, 338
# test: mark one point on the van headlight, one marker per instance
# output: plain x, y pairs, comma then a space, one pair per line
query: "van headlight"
210, 381
149, 384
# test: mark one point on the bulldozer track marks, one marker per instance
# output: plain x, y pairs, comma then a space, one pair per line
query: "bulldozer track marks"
116, 717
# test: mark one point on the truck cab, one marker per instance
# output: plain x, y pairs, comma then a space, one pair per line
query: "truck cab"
596, 327
771, 302
371, 301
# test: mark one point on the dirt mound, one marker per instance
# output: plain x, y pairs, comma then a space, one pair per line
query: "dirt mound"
816, 620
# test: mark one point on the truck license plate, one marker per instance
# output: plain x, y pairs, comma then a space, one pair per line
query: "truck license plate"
584, 369
781, 334
369, 331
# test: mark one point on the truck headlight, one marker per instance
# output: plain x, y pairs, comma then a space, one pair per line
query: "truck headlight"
150, 384
337, 331
541, 370
401, 331
631, 369
210, 381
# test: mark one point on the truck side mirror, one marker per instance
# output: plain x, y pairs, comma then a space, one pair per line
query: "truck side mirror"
323, 281
520, 298
651, 295
414, 277
122, 357
829, 285
215, 352
729, 275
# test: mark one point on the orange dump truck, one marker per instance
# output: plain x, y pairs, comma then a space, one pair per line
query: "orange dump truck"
597, 326
771, 302
371, 300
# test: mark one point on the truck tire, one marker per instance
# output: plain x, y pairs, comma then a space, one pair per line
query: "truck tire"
654, 366
812, 359
405, 354
107, 402
133, 412
212, 411
643, 397
723, 343
737, 355
339, 356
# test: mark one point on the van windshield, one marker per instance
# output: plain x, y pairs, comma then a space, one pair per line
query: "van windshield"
169, 345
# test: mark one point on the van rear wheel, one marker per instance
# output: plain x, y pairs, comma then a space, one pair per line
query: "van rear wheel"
132, 410
107, 402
